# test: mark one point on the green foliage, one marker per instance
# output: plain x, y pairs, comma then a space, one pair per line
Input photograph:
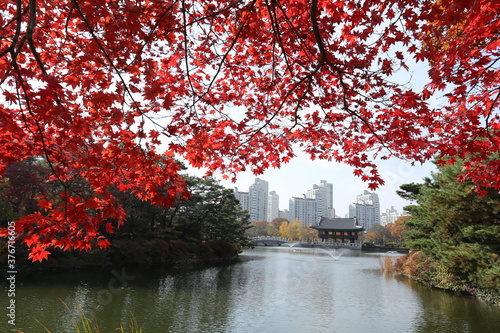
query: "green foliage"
259, 228
409, 191
457, 229
212, 213
271, 230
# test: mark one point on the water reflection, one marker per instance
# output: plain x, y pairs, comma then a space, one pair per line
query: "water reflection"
443, 311
270, 290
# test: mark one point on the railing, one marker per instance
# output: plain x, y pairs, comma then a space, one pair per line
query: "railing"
355, 245
272, 239
265, 239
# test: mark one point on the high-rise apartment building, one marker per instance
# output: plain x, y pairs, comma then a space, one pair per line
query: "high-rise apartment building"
389, 216
284, 214
366, 209
255, 201
243, 198
263, 205
259, 192
303, 209
273, 206
323, 194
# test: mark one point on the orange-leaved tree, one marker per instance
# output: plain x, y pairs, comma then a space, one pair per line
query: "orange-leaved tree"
110, 91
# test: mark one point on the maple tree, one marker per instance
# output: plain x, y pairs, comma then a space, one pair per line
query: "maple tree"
276, 222
396, 229
379, 235
258, 228
101, 88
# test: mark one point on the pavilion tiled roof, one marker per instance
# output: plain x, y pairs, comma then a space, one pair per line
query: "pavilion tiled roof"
345, 224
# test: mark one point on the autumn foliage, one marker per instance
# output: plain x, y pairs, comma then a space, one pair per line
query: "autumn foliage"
111, 91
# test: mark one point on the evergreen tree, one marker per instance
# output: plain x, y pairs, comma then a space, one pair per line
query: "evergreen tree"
456, 226
212, 213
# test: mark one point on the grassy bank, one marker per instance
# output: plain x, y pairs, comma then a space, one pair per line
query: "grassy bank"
417, 266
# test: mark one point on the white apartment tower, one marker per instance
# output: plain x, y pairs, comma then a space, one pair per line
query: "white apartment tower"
243, 198
323, 194
389, 216
258, 197
284, 214
303, 209
366, 209
273, 209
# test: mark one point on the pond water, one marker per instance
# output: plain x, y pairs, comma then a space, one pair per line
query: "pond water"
274, 289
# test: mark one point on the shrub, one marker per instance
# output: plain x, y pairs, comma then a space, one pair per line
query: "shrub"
223, 249
178, 249
126, 252
205, 251
157, 250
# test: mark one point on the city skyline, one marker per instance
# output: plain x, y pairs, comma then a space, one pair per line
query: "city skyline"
311, 208
297, 177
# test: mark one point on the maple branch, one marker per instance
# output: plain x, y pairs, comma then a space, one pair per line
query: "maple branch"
186, 57
29, 37
490, 111
308, 77
134, 103
317, 34
487, 120
214, 14
198, 97
340, 73
147, 40
21, 82
276, 29
41, 136
18, 19
297, 34
289, 92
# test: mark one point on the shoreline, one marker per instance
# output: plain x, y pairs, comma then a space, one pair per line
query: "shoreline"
144, 254
416, 267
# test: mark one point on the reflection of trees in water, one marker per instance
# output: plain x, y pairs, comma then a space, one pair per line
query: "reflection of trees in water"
444, 311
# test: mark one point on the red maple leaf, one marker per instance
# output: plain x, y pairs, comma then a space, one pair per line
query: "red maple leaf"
38, 254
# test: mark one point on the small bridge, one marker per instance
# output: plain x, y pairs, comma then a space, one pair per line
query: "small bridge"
268, 241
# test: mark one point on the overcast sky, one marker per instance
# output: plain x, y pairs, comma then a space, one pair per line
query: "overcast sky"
298, 176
